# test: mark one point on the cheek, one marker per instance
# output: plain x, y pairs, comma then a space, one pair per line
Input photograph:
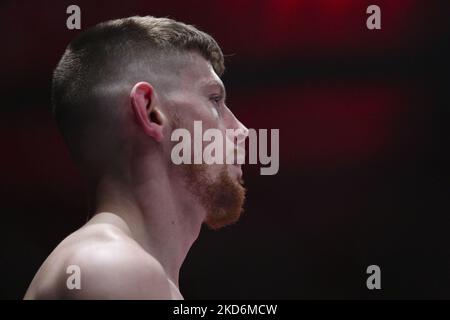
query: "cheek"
215, 113
208, 113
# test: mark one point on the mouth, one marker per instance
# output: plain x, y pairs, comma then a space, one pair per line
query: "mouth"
240, 175
238, 169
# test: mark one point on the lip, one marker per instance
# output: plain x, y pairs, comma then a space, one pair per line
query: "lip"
239, 168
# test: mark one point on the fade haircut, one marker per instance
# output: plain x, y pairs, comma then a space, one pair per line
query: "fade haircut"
100, 66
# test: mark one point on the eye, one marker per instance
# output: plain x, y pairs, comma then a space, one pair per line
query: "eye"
217, 99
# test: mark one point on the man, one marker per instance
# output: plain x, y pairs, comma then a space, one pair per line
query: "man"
119, 91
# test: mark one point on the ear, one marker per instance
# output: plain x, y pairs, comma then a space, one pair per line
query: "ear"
147, 114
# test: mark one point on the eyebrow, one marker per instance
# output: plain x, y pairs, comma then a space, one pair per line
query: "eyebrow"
216, 84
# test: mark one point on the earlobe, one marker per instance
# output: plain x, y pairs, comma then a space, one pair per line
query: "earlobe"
147, 114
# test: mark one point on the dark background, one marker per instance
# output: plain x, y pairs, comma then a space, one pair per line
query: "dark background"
363, 118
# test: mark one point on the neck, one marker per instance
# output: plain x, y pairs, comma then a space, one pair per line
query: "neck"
156, 212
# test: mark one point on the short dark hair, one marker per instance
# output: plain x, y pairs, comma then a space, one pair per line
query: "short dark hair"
99, 59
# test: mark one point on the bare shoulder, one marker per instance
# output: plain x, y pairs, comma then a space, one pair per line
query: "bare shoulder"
100, 262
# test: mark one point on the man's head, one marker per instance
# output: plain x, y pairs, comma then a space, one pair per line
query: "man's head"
123, 86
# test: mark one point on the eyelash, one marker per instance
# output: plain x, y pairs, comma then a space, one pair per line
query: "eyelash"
216, 100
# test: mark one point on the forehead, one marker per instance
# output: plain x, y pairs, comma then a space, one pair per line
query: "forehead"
199, 73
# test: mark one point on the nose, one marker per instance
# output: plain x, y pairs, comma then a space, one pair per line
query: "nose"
238, 135
242, 132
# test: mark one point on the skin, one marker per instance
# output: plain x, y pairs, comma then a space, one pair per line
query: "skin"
146, 215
